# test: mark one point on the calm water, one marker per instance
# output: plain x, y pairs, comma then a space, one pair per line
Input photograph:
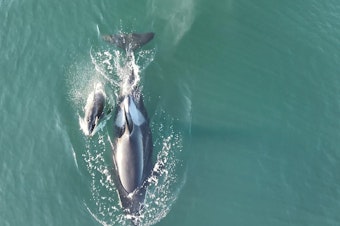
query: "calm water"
244, 101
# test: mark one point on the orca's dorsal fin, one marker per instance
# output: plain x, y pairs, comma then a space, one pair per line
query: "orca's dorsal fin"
129, 42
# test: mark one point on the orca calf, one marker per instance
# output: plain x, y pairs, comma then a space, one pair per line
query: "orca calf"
93, 110
132, 146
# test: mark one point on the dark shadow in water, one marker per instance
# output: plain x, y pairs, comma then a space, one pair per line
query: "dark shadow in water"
224, 134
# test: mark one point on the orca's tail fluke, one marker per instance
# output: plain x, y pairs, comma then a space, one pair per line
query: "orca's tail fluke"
129, 42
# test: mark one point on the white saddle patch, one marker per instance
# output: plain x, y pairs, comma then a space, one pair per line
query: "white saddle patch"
120, 119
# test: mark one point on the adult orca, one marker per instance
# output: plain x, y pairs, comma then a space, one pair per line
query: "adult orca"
93, 110
132, 146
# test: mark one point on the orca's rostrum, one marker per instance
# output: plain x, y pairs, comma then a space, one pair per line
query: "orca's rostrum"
132, 145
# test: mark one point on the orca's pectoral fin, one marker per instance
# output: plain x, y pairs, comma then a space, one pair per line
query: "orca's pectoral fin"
142, 39
96, 122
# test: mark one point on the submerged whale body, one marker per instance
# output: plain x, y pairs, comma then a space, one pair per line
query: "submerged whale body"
93, 110
132, 147
129, 42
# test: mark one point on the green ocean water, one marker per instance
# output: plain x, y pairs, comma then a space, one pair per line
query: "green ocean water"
243, 97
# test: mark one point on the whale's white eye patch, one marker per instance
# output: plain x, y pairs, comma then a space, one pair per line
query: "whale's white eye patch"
136, 116
120, 120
